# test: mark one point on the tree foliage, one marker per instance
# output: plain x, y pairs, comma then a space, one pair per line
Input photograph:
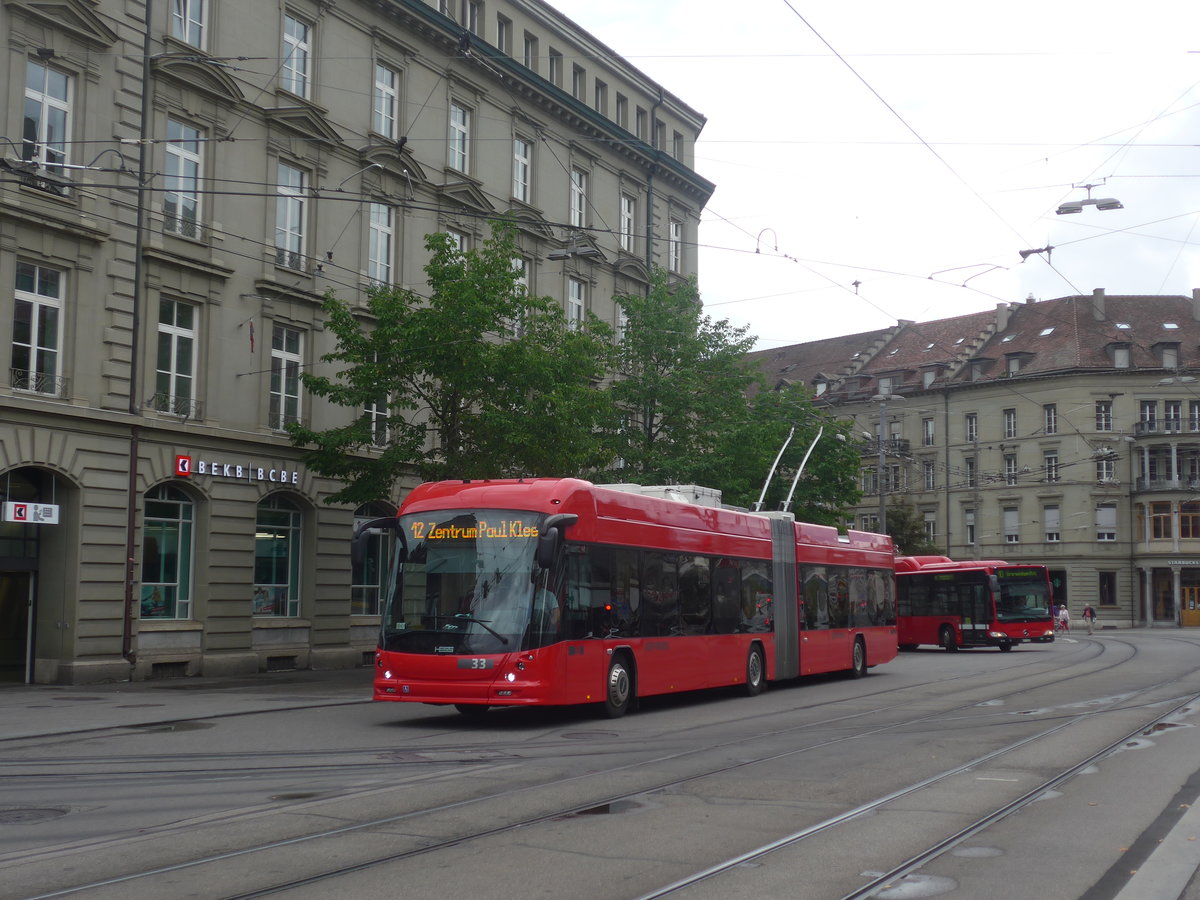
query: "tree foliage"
478, 380
907, 530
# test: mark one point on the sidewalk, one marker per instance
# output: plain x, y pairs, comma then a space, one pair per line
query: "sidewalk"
31, 710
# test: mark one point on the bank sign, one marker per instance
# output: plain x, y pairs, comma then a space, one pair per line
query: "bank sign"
187, 466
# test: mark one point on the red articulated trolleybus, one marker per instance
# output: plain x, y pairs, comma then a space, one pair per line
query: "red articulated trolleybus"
978, 603
549, 591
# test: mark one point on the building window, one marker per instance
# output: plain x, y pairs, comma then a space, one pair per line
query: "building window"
628, 221
1106, 471
1170, 356
1106, 588
286, 347
297, 56
175, 374
47, 118
1148, 414
1173, 415
931, 527
971, 427
277, 533
675, 246
1121, 357
458, 142
927, 435
623, 111
576, 303
367, 576
930, 475
458, 240
37, 331
642, 119
181, 181
578, 217
969, 525
504, 35
969, 471
660, 135
870, 480
1160, 521
1010, 468
379, 243
1106, 521
446, 7
1052, 523
1050, 418
578, 83
1010, 423
1050, 464
1012, 525
386, 103
869, 522
1194, 415
677, 145
601, 95
473, 10
376, 412
1104, 415
167, 554
555, 70
516, 325
529, 54
290, 212
1189, 519
522, 151
187, 21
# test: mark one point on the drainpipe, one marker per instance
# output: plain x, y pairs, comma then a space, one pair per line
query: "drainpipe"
135, 407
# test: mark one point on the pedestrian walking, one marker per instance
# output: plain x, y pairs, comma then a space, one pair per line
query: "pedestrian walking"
1064, 618
1089, 617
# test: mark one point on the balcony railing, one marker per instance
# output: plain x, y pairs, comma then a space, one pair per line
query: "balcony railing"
37, 383
892, 446
183, 407
1167, 426
297, 262
185, 227
1167, 484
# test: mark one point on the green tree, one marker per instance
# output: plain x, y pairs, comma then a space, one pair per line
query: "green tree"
907, 530
682, 382
746, 450
478, 380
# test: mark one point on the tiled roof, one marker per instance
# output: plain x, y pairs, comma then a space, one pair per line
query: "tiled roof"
832, 357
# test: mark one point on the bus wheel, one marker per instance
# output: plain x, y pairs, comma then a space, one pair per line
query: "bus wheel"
756, 673
471, 710
618, 689
1005, 647
858, 658
946, 639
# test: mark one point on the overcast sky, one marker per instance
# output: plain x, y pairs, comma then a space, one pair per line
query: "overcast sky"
918, 147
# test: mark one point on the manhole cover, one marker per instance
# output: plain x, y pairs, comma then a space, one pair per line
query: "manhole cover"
29, 816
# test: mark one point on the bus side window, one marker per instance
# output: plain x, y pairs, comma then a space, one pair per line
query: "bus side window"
695, 594
660, 595
727, 590
816, 598
758, 613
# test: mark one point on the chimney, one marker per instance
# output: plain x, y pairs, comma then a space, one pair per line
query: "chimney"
1098, 304
1196, 304
1001, 317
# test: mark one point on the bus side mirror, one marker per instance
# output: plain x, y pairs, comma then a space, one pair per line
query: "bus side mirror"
550, 539
358, 544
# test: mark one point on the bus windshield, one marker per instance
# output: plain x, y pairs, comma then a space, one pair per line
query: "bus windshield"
466, 584
1024, 595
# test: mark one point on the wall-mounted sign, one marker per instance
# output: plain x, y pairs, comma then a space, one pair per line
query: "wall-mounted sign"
31, 513
186, 467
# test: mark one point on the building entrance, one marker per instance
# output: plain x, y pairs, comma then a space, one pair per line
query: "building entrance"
16, 625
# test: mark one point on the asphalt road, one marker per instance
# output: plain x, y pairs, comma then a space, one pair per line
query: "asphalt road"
1069, 770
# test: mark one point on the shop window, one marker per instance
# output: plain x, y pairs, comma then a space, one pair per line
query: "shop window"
167, 541
277, 536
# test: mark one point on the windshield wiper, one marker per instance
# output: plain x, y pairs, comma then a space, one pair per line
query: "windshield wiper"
492, 631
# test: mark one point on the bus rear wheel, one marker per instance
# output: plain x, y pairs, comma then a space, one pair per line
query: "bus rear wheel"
947, 640
858, 658
756, 672
618, 689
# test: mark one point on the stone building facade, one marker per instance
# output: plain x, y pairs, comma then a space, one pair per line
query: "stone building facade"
1064, 432
180, 183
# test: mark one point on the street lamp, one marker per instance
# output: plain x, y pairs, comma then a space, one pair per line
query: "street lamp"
1076, 206
882, 400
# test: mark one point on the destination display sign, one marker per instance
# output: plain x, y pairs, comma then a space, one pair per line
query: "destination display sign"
1012, 574
465, 529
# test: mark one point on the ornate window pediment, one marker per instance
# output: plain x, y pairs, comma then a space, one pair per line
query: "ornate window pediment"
75, 17
193, 72
306, 120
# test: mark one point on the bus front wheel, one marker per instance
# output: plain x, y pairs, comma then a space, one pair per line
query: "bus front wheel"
947, 639
618, 689
756, 672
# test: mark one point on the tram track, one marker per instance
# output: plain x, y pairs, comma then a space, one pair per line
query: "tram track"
598, 800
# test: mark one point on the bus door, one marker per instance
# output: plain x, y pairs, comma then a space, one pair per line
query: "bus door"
974, 602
